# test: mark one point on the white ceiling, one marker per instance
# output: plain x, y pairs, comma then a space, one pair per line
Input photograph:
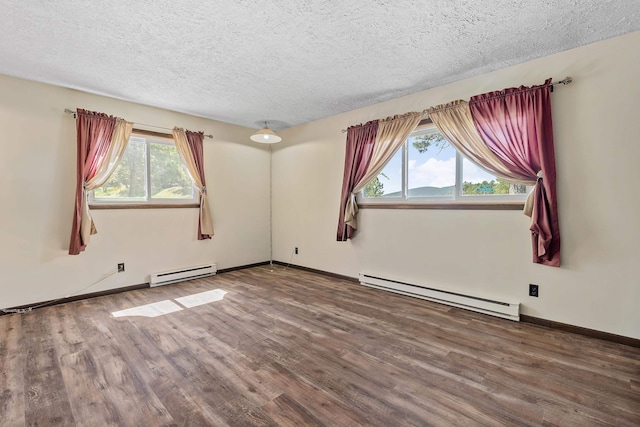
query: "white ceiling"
287, 61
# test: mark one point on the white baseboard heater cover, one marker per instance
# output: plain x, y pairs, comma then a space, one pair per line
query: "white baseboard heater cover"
179, 275
506, 310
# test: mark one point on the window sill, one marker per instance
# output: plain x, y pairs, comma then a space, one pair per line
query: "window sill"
99, 206
497, 206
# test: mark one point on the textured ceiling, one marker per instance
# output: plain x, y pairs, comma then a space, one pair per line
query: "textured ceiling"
287, 61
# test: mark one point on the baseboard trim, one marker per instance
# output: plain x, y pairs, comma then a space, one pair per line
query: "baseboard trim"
579, 330
242, 267
324, 273
591, 333
51, 303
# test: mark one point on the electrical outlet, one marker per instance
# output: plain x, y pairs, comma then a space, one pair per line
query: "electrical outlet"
296, 250
533, 290
121, 267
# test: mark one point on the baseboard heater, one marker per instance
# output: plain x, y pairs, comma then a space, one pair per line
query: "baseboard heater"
506, 310
188, 273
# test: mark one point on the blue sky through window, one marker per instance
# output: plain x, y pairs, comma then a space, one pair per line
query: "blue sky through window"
434, 168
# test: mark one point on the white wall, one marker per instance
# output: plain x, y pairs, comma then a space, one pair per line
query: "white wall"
37, 187
597, 138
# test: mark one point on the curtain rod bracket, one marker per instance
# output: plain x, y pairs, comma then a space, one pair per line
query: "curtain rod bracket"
563, 82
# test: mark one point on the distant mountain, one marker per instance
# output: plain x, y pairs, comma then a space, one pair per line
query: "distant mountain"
426, 192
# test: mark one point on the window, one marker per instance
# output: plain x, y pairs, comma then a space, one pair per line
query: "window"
427, 169
150, 172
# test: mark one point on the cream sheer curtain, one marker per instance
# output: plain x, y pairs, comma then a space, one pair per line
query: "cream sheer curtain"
119, 140
182, 144
392, 132
455, 122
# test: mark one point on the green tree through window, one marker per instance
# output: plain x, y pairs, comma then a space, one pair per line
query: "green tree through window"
150, 169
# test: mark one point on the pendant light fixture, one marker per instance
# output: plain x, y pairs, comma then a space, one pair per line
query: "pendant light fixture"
266, 135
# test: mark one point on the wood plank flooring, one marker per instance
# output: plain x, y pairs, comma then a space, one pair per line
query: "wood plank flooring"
294, 348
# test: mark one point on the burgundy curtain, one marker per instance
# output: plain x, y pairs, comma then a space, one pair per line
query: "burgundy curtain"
94, 131
516, 125
360, 142
195, 140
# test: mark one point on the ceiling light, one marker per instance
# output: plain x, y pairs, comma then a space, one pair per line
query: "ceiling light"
266, 136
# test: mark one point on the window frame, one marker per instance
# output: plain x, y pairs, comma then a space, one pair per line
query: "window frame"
458, 201
149, 203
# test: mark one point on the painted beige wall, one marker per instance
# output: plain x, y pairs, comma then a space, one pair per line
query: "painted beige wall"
487, 253
37, 187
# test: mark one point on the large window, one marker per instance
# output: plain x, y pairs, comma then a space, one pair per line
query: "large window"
150, 172
427, 168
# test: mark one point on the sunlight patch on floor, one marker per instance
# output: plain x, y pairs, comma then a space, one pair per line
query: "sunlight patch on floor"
201, 298
149, 310
165, 307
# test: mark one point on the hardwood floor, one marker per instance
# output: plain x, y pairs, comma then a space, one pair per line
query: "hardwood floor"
293, 348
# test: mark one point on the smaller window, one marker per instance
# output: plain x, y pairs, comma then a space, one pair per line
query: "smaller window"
427, 168
150, 172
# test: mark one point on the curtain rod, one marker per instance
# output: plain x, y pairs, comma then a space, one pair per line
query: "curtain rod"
68, 111
564, 81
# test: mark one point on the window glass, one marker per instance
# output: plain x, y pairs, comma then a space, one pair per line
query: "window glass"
150, 171
128, 181
431, 165
169, 177
388, 183
428, 167
478, 182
